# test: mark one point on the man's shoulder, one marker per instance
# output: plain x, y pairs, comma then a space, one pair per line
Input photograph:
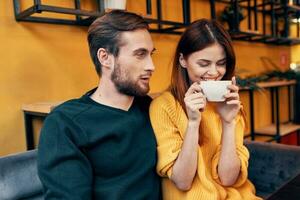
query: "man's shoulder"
144, 100
70, 108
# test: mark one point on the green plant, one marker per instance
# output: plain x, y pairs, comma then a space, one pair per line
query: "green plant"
228, 15
251, 82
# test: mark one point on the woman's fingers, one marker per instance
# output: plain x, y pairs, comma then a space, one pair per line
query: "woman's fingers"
232, 96
195, 101
194, 88
196, 106
233, 80
197, 95
234, 102
233, 88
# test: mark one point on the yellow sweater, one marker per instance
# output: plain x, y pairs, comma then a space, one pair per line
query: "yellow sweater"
169, 123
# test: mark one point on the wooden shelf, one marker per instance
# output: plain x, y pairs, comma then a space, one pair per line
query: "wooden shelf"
276, 83
261, 138
42, 107
270, 84
284, 129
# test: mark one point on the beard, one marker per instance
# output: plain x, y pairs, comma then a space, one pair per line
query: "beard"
125, 84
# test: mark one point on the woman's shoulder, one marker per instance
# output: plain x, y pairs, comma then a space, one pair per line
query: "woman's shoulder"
165, 105
164, 99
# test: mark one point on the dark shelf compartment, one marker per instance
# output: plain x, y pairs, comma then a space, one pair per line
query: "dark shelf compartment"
81, 17
277, 129
275, 10
279, 14
85, 17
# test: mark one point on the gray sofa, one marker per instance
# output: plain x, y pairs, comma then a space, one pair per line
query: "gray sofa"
18, 177
270, 166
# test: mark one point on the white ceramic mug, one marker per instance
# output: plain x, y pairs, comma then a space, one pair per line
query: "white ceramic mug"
215, 90
115, 4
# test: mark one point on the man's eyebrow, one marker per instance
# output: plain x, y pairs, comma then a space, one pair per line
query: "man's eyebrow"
143, 50
140, 50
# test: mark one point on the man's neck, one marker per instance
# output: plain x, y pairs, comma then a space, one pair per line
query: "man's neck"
107, 94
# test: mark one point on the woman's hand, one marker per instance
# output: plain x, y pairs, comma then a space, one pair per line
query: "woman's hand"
195, 102
185, 166
229, 109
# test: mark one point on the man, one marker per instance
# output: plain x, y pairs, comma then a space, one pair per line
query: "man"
102, 146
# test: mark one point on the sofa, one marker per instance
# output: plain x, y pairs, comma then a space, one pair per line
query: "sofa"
18, 177
270, 166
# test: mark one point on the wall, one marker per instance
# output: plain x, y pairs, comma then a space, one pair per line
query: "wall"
39, 62
43, 62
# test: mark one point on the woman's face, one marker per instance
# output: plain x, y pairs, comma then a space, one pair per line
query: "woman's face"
206, 64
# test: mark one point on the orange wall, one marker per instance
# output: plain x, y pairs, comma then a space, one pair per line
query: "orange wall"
39, 62
43, 62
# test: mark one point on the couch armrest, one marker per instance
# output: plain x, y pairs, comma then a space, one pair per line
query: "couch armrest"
18, 176
271, 165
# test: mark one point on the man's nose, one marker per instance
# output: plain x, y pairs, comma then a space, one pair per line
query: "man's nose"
150, 65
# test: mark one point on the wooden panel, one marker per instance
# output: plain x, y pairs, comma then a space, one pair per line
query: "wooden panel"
260, 138
291, 139
284, 129
42, 107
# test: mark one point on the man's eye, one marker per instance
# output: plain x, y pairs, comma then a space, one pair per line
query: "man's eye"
141, 54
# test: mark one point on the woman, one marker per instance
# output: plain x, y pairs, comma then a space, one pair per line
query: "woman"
200, 144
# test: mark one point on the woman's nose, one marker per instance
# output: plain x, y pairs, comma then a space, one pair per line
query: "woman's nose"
213, 70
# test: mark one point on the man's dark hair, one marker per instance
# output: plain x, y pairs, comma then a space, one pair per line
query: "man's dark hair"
105, 32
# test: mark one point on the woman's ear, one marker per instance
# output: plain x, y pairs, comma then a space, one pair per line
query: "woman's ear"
182, 61
104, 58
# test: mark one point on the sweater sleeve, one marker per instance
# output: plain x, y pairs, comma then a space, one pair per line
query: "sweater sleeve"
64, 170
169, 141
241, 150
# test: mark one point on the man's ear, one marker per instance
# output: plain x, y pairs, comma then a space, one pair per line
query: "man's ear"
104, 57
182, 61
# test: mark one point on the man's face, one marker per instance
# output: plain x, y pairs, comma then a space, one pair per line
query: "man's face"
134, 66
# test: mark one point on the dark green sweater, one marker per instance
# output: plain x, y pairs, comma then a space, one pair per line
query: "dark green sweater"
92, 151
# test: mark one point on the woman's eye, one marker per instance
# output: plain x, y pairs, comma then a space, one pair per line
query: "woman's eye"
203, 64
222, 63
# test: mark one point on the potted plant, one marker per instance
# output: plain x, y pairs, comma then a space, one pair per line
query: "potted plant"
228, 15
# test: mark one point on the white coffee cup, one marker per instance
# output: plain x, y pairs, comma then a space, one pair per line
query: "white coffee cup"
115, 4
215, 90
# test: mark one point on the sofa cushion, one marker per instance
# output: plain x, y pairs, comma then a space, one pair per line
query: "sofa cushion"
19, 178
271, 165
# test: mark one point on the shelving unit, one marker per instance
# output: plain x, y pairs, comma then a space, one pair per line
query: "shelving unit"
276, 130
34, 13
274, 28
32, 111
83, 17
285, 128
